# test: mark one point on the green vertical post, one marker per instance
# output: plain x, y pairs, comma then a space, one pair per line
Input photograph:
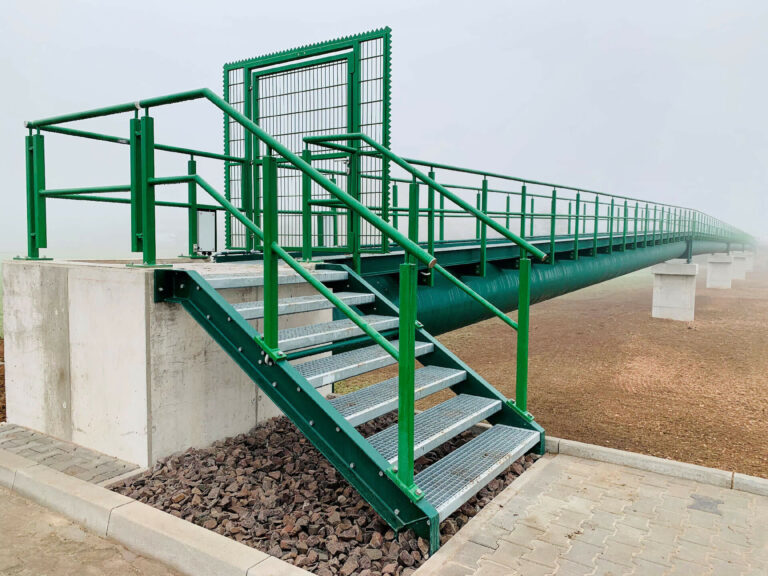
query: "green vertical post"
552, 227
269, 177
353, 225
523, 320
192, 210
655, 220
335, 213
148, 190
306, 209
596, 226
661, 226
523, 205
395, 207
137, 242
610, 228
406, 368
431, 216
645, 226
570, 207
36, 217
634, 245
479, 206
624, 233
482, 269
320, 229
506, 220
533, 215
413, 212
576, 227
442, 217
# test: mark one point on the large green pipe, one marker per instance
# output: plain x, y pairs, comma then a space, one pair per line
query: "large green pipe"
444, 307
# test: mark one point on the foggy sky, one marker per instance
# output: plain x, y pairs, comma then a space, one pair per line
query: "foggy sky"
660, 100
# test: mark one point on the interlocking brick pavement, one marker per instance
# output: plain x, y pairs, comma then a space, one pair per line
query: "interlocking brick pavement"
569, 516
65, 457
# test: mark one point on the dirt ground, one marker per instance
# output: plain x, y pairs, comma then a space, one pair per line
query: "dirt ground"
603, 371
2, 380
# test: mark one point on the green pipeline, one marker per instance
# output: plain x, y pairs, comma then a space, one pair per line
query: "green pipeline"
443, 307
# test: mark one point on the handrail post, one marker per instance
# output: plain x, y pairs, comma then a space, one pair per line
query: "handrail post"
353, 226
523, 321
137, 236
431, 223
192, 212
442, 217
610, 229
624, 233
147, 144
570, 208
406, 369
533, 215
395, 207
482, 268
36, 210
320, 229
596, 226
523, 202
655, 221
479, 206
576, 227
269, 177
634, 244
306, 209
506, 220
552, 227
645, 226
413, 212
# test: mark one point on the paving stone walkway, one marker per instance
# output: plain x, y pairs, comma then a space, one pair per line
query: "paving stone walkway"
35, 541
568, 516
65, 457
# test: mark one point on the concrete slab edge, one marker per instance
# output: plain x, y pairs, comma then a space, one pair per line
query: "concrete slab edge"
674, 468
181, 545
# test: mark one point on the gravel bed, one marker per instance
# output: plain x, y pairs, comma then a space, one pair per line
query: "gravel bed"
270, 489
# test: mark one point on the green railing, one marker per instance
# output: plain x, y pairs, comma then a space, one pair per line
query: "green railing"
143, 202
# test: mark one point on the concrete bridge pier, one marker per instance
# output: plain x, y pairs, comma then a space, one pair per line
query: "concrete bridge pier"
674, 290
719, 271
739, 265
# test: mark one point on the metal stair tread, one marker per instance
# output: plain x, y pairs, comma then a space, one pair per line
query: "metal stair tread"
240, 280
451, 481
313, 334
309, 303
368, 403
437, 425
330, 369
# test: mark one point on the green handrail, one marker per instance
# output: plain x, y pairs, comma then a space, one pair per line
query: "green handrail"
290, 260
330, 142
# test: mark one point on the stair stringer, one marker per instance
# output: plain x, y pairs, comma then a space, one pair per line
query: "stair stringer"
474, 384
328, 431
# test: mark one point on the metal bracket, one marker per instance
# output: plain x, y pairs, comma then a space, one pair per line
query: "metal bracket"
413, 492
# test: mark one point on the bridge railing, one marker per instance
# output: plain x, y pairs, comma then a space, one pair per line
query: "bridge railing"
143, 203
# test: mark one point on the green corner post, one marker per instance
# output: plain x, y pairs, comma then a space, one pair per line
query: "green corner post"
523, 205
269, 177
37, 236
523, 322
406, 368
483, 266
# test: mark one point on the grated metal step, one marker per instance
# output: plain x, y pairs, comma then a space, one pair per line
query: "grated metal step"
254, 310
223, 281
437, 425
366, 404
453, 480
314, 334
330, 369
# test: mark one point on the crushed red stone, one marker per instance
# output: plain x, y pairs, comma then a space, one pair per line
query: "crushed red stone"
271, 490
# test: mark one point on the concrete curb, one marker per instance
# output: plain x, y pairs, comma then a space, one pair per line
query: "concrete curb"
712, 476
181, 545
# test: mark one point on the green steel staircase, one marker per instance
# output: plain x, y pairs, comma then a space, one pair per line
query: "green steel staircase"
369, 464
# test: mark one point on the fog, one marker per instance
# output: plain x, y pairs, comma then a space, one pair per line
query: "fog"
664, 101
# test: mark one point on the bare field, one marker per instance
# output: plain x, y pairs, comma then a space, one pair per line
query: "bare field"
603, 371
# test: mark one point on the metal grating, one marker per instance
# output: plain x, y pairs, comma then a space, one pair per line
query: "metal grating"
454, 479
314, 334
254, 310
437, 425
373, 401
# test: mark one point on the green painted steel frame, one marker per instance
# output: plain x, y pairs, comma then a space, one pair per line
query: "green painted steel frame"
354, 457
296, 58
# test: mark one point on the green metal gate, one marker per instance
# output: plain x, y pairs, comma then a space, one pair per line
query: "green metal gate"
336, 87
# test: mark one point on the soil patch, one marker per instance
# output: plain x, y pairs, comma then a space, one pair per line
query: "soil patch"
270, 489
2, 380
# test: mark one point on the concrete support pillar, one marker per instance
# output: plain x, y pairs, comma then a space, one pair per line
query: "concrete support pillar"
739, 265
674, 290
719, 271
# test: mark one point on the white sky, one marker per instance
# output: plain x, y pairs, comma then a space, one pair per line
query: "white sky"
660, 100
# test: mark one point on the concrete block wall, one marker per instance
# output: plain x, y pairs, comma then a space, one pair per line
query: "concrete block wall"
91, 358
